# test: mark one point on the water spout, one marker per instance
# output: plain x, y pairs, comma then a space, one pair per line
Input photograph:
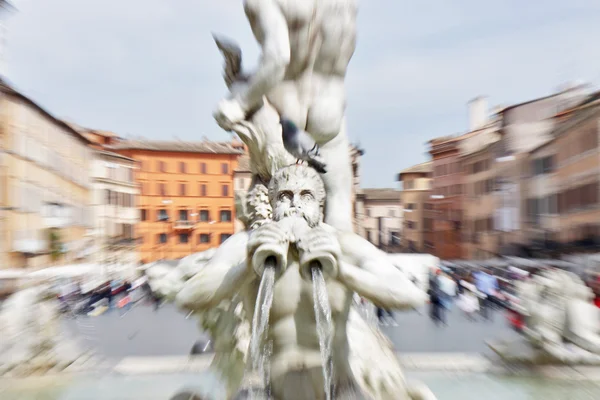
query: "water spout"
324, 325
259, 347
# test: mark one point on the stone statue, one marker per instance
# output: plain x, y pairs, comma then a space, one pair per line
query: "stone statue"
561, 322
260, 129
306, 48
31, 339
298, 226
296, 236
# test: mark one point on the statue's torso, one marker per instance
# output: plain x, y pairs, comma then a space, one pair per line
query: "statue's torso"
292, 325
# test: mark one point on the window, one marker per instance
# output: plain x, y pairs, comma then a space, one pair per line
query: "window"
143, 214
204, 238
203, 189
391, 213
203, 168
428, 224
182, 187
182, 167
183, 215
162, 166
224, 237
162, 238
184, 238
394, 238
224, 168
204, 215
409, 184
129, 174
224, 190
163, 215
411, 225
368, 235
225, 215
128, 231
368, 212
411, 206
162, 189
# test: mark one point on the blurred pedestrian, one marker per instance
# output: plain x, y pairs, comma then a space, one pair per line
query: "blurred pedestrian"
487, 285
436, 312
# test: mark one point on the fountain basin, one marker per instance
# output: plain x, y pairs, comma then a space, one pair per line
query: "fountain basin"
446, 386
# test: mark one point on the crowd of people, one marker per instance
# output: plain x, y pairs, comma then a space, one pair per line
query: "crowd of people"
121, 294
473, 292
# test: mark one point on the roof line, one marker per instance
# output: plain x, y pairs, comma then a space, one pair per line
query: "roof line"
10, 90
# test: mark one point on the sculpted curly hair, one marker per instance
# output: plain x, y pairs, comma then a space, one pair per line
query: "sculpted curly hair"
298, 173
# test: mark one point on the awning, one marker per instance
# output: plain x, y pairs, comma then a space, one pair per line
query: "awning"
67, 271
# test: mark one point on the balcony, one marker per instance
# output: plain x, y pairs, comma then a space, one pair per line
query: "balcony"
184, 225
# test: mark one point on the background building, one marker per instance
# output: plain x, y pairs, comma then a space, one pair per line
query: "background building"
382, 221
186, 197
242, 178
416, 190
115, 196
46, 185
479, 238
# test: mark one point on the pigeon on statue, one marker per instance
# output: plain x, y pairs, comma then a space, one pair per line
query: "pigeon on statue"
301, 145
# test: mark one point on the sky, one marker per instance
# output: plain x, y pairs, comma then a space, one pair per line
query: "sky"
149, 68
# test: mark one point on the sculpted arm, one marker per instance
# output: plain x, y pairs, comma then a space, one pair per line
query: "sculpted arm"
367, 270
271, 30
220, 278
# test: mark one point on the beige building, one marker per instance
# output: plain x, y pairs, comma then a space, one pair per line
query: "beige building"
45, 179
417, 208
114, 207
382, 221
242, 178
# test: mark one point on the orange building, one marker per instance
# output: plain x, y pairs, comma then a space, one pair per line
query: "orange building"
186, 195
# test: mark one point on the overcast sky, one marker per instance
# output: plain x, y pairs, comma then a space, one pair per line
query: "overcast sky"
150, 68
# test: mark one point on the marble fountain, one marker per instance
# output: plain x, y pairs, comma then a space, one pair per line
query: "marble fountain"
278, 297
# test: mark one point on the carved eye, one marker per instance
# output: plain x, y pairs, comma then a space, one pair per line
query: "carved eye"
307, 195
284, 196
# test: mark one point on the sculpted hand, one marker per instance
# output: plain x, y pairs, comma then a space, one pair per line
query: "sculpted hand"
266, 241
323, 247
229, 112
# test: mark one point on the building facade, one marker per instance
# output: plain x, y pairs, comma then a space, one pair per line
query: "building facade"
186, 200
447, 197
479, 237
525, 127
114, 206
45, 176
242, 179
416, 193
383, 219
577, 176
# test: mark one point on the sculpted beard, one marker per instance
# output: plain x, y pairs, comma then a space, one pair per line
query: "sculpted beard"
299, 212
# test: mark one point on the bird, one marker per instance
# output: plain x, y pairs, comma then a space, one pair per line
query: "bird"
301, 145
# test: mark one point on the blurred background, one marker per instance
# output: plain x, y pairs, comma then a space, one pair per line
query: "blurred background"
486, 191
